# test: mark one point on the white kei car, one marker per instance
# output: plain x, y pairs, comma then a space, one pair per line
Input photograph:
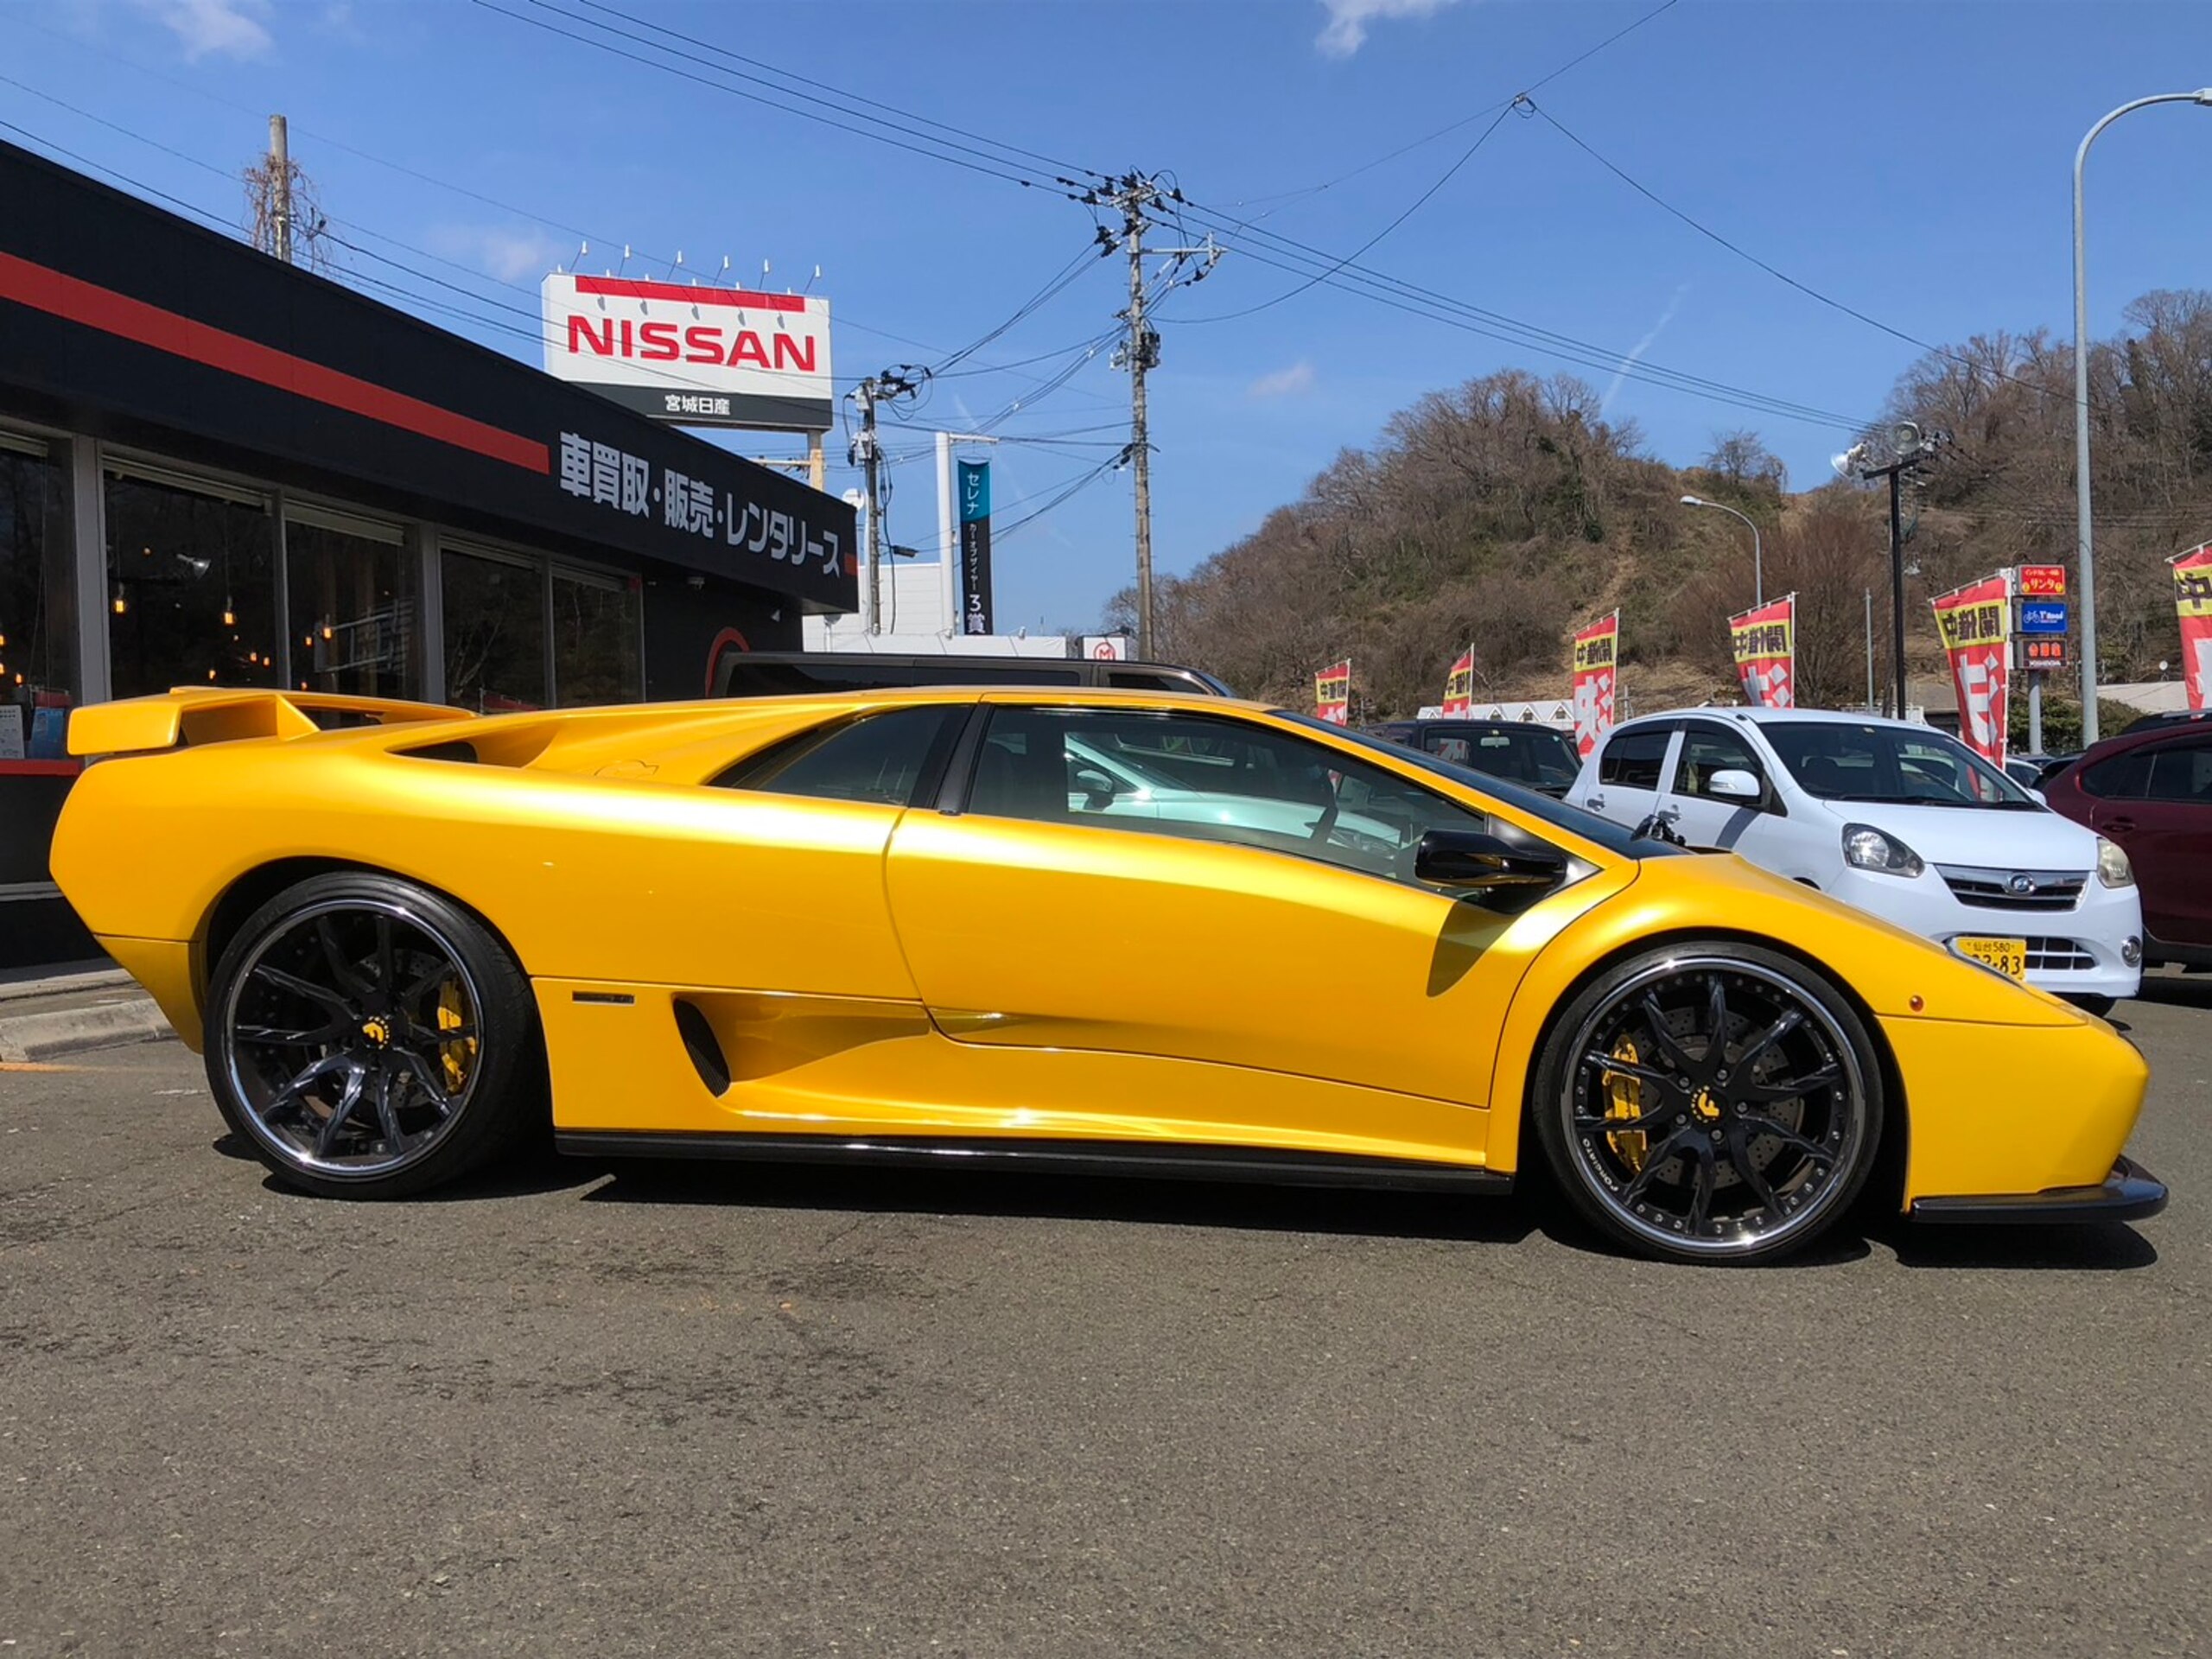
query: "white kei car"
1896, 818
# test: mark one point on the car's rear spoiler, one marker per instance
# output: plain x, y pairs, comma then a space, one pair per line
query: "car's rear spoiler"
195, 715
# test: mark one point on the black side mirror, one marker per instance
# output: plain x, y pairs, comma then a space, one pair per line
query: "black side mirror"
1478, 866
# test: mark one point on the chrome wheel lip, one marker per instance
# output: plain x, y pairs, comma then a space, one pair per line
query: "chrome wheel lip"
1740, 1240
305, 1159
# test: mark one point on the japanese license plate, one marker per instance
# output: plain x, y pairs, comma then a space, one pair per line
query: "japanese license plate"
2007, 957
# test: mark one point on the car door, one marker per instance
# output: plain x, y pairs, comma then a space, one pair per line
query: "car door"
1631, 764
2157, 803
1703, 818
1282, 934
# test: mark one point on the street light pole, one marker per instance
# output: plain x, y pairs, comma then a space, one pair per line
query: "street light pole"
2081, 535
1759, 576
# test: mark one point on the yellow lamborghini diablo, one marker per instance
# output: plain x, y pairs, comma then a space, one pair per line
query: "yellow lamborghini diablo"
1105, 931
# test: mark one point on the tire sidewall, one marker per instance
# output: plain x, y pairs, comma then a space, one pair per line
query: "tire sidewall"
508, 1050
1552, 1104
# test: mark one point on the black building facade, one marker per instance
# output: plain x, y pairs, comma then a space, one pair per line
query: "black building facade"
217, 468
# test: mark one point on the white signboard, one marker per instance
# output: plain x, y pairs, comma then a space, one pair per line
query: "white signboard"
11, 732
1106, 647
694, 356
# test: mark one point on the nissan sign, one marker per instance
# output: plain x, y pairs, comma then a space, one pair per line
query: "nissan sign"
693, 356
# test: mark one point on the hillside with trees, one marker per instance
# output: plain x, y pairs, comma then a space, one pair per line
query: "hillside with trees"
1509, 511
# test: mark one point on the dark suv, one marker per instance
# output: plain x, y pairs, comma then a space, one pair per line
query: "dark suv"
1541, 757
2151, 791
786, 673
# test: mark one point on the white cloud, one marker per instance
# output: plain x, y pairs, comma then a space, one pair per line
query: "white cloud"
501, 251
215, 29
1346, 31
1636, 352
1292, 382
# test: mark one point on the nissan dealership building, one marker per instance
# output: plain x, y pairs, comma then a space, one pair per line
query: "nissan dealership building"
216, 468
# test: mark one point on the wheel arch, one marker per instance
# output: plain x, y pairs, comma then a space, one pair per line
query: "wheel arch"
1885, 1186
258, 885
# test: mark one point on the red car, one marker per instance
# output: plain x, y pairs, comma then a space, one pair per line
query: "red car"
2150, 791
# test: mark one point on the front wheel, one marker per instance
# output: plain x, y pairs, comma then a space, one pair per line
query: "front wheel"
1710, 1101
369, 1039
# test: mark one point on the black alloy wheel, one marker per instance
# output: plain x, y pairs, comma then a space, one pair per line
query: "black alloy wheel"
1712, 1102
370, 1039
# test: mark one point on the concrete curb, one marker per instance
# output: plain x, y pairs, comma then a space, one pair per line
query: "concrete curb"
31, 1037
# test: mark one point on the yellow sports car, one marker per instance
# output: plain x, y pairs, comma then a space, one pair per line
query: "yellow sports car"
1086, 930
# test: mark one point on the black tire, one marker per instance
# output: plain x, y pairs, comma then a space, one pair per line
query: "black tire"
370, 1039
1682, 1154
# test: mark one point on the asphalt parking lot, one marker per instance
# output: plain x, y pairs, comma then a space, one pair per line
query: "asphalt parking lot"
642, 1409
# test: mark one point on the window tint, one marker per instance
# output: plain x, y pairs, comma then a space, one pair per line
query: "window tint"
1632, 759
2123, 777
1708, 749
877, 758
1207, 780
1139, 679
2182, 772
1535, 755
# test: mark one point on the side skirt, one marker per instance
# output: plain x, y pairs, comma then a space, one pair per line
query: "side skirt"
1173, 1162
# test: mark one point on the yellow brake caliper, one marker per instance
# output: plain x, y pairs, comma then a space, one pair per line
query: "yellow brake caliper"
459, 1056
1625, 1094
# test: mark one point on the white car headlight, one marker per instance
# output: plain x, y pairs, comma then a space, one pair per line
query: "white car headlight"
1866, 848
2113, 867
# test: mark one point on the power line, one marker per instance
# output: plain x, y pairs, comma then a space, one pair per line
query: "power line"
1418, 202
1465, 121
1780, 275
931, 148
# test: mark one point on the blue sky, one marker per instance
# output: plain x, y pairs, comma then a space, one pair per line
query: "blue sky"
1911, 161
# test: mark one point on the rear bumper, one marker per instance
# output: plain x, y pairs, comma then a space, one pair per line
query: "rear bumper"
2129, 1194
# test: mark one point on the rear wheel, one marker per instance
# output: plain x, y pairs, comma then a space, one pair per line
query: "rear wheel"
370, 1039
1711, 1102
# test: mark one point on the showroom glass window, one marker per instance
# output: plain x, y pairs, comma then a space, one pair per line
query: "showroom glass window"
192, 586
1206, 779
495, 633
36, 654
351, 599
597, 653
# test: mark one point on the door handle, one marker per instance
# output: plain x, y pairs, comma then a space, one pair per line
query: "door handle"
2122, 824
1595, 803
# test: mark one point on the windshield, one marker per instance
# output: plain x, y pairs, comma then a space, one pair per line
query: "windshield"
1839, 760
1526, 754
1543, 808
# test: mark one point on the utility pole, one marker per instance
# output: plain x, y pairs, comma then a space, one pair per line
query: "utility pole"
1870, 650
866, 454
280, 184
1134, 195
1912, 450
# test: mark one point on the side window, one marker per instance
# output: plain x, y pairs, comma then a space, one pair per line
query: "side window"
1708, 749
2182, 772
2123, 777
1240, 783
1632, 759
882, 759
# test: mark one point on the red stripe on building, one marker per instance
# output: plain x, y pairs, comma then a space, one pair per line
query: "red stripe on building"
623, 288
165, 330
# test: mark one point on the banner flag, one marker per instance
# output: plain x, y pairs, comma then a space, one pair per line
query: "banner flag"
2193, 605
974, 499
1976, 623
1332, 693
1764, 641
1596, 649
1460, 686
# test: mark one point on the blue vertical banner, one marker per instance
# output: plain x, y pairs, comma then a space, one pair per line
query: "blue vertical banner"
976, 546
